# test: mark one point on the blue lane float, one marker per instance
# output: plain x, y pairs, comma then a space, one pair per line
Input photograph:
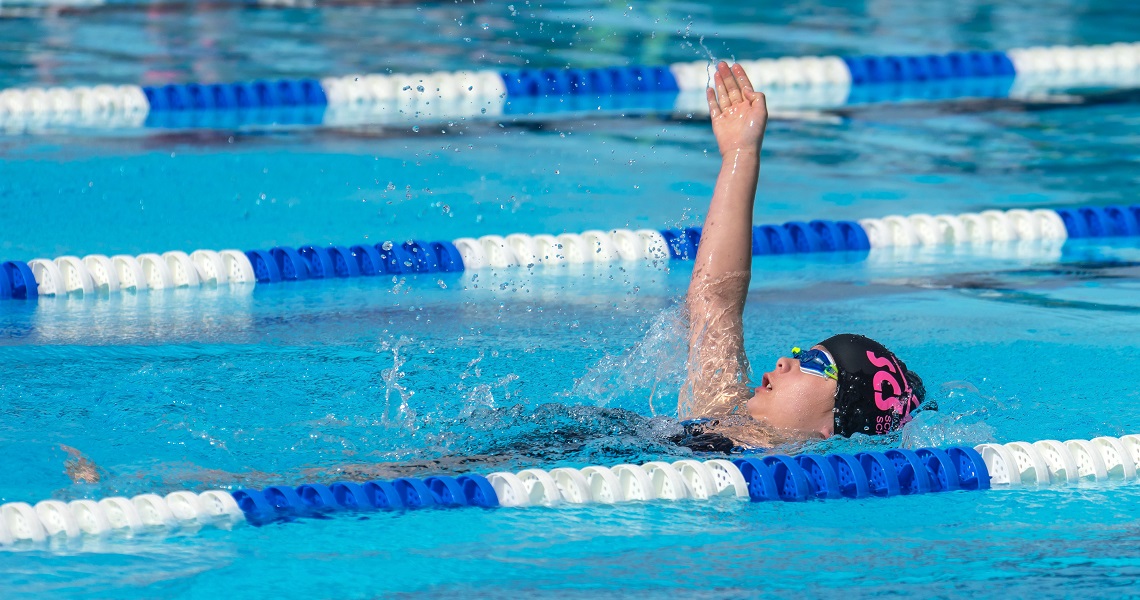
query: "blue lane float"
589, 82
929, 67
276, 503
284, 263
17, 281
234, 96
1097, 222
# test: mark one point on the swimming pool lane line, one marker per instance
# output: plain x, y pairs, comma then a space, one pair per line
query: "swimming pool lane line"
96, 273
895, 472
770, 478
792, 83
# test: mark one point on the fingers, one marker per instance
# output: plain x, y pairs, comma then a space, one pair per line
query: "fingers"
745, 84
714, 107
721, 91
730, 84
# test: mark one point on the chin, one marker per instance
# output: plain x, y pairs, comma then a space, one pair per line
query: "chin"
754, 409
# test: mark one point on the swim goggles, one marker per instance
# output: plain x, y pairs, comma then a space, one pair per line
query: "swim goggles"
816, 362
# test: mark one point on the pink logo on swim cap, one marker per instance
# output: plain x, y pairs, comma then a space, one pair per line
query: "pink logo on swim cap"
886, 375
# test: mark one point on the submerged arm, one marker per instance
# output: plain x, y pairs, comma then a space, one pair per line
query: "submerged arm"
719, 283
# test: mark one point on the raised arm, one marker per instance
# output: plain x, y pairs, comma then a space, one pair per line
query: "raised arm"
723, 267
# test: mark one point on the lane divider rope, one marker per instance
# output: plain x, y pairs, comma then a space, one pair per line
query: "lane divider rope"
771, 478
791, 82
96, 273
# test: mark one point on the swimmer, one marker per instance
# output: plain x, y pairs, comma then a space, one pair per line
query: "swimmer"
846, 384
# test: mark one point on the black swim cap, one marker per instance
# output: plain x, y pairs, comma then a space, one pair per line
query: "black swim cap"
876, 392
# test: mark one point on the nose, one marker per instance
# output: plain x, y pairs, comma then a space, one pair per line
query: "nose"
785, 364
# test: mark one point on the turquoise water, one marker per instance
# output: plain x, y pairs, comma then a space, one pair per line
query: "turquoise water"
553, 367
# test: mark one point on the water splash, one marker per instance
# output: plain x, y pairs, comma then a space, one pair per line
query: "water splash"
481, 394
966, 416
403, 415
645, 378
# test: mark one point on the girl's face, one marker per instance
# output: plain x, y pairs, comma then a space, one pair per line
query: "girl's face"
793, 400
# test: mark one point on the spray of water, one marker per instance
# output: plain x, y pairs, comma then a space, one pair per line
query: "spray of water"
481, 394
390, 381
966, 416
647, 377
960, 414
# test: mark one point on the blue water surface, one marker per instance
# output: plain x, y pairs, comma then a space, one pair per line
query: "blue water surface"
503, 370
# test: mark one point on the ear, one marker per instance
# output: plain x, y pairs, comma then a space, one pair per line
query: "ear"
827, 430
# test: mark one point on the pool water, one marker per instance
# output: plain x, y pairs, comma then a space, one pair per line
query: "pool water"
502, 370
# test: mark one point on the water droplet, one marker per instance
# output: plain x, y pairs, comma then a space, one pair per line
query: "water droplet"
416, 128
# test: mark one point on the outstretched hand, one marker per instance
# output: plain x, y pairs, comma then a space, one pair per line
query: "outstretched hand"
739, 114
78, 467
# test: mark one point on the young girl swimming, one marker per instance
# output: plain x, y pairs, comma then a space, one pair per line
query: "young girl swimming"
845, 384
